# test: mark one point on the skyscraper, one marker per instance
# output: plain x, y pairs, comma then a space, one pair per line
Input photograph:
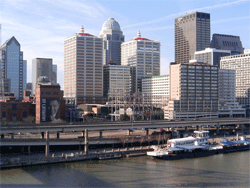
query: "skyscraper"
143, 57
227, 42
41, 67
112, 39
12, 66
83, 69
241, 65
192, 33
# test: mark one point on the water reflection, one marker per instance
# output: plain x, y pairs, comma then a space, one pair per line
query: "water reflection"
215, 171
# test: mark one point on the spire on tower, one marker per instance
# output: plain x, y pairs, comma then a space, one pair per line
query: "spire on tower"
139, 34
82, 29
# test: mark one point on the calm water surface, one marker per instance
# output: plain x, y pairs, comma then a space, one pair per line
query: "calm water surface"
228, 170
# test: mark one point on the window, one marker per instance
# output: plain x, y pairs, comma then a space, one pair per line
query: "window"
14, 106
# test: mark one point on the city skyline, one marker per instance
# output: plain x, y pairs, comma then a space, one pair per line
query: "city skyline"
42, 26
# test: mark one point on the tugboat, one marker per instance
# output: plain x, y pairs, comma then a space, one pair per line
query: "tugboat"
190, 147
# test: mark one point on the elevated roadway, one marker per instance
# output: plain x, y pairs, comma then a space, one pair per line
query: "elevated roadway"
104, 126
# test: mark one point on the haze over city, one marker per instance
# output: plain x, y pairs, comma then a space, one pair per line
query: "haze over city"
41, 26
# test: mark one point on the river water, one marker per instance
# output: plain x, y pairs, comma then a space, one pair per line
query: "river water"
223, 170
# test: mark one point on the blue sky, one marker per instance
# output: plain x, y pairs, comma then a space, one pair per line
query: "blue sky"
42, 25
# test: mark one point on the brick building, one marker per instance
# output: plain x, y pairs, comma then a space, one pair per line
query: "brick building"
50, 105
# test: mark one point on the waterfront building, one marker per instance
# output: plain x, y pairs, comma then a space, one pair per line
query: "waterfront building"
193, 91
143, 57
112, 38
211, 55
41, 67
156, 90
192, 33
227, 42
83, 69
116, 81
12, 67
241, 64
13, 110
50, 105
228, 105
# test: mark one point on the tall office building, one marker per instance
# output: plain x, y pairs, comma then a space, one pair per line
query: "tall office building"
143, 57
241, 65
12, 66
83, 69
41, 67
227, 42
156, 90
228, 106
192, 33
116, 80
211, 55
24, 74
54, 74
193, 91
112, 38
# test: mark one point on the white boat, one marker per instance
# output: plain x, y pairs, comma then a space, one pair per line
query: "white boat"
189, 147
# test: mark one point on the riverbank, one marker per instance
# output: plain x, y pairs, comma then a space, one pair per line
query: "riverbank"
10, 161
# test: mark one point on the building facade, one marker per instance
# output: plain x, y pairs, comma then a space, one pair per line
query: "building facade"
228, 105
112, 38
241, 65
41, 67
143, 57
83, 69
211, 55
227, 42
50, 105
193, 91
156, 90
192, 33
116, 80
12, 66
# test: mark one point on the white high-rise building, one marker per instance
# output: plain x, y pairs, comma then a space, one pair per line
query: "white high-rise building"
241, 65
156, 90
143, 57
228, 106
83, 69
112, 38
116, 81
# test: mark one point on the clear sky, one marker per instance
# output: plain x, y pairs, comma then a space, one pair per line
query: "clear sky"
41, 26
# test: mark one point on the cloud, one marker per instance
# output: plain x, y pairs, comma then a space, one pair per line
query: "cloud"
231, 19
188, 11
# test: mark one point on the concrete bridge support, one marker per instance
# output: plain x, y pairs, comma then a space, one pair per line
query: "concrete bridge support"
47, 145
2, 135
217, 129
12, 136
28, 150
58, 135
86, 141
147, 132
100, 136
128, 132
42, 133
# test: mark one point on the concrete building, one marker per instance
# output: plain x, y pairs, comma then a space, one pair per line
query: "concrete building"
12, 67
116, 80
83, 69
50, 105
241, 65
227, 42
112, 38
54, 74
143, 57
193, 91
192, 33
211, 55
156, 90
228, 105
42, 67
